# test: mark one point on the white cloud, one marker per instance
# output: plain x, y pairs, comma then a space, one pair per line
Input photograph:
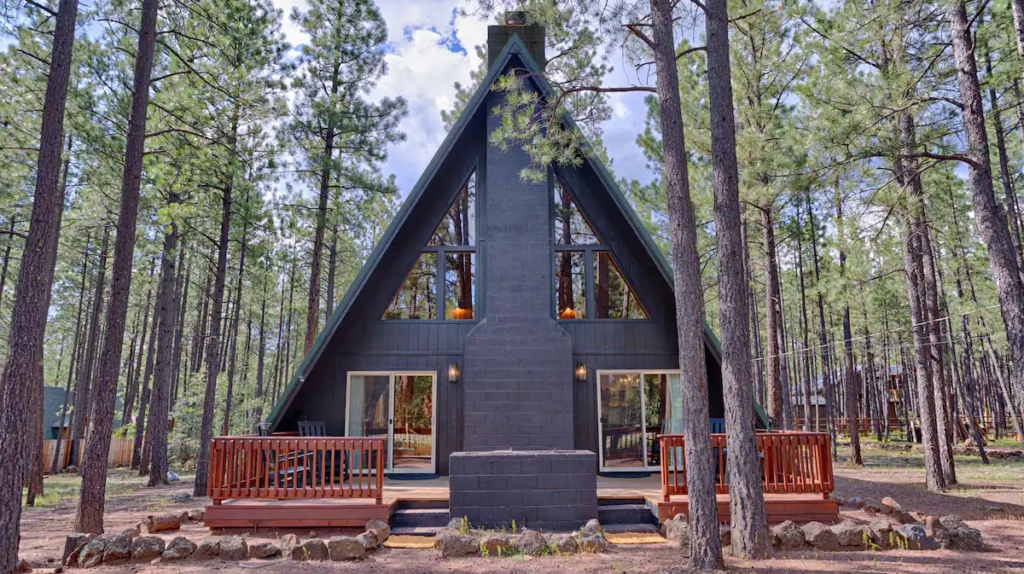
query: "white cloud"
423, 71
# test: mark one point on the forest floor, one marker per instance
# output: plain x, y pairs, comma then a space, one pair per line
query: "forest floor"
990, 498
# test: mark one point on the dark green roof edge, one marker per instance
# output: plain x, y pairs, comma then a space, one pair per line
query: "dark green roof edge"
386, 239
514, 45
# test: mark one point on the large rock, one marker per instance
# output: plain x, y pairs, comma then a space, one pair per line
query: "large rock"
564, 544
346, 548
892, 508
148, 547
452, 544
677, 531
162, 523
853, 535
789, 534
91, 554
594, 543
208, 549
856, 502
179, 549
882, 534
914, 537
233, 548
369, 540
73, 546
313, 549
968, 539
937, 530
382, 528
592, 528
820, 536
264, 550
132, 533
497, 545
952, 522
196, 515
118, 550
531, 543
289, 542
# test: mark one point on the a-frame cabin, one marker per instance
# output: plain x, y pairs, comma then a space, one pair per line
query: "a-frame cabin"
499, 314
515, 338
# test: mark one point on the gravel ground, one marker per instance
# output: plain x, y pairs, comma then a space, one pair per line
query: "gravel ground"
988, 498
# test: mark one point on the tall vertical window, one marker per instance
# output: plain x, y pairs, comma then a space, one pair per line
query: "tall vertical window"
588, 283
444, 277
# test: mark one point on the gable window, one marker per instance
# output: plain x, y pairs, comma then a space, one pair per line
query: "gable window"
588, 283
442, 283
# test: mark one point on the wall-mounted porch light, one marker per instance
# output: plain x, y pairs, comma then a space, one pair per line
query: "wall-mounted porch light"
453, 373
581, 371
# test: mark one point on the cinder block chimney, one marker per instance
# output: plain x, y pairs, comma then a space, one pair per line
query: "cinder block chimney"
531, 35
518, 377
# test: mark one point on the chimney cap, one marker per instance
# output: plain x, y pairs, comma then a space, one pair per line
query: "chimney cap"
515, 18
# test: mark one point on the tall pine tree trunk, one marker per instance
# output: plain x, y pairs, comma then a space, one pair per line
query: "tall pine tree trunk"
990, 219
773, 312
89, 515
213, 344
746, 498
166, 314
705, 542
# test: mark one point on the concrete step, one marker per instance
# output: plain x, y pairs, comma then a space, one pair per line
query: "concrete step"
625, 514
419, 517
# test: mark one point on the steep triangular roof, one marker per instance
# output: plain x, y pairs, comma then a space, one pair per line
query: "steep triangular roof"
514, 48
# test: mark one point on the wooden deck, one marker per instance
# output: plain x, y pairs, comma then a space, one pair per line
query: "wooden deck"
340, 513
339, 481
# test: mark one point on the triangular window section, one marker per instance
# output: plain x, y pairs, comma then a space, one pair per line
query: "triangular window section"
570, 226
613, 299
458, 226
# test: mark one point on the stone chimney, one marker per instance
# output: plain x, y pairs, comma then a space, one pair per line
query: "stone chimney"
531, 35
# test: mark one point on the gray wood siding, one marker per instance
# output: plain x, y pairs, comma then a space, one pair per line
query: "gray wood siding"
389, 346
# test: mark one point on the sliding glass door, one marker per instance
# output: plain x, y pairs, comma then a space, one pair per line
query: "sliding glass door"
634, 407
398, 406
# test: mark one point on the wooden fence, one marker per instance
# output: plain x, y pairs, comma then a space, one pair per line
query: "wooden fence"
791, 462
120, 453
294, 468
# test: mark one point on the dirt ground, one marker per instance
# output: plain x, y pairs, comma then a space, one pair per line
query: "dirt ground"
988, 498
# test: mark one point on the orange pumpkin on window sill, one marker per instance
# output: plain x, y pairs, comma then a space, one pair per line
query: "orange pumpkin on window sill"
568, 313
459, 313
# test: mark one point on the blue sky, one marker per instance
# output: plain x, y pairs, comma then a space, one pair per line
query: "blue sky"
431, 48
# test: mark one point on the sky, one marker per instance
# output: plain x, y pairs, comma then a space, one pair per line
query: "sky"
431, 48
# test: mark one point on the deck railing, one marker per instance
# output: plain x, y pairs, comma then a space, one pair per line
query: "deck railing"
791, 462
284, 467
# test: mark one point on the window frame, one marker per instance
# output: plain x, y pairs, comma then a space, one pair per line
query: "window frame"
588, 250
440, 264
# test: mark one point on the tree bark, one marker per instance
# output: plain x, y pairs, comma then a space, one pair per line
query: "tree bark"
746, 498
226, 426
705, 542
213, 344
75, 357
89, 516
83, 390
773, 313
908, 176
166, 314
140, 448
852, 389
990, 219
326, 164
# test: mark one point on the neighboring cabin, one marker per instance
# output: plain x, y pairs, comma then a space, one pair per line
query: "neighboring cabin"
497, 314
